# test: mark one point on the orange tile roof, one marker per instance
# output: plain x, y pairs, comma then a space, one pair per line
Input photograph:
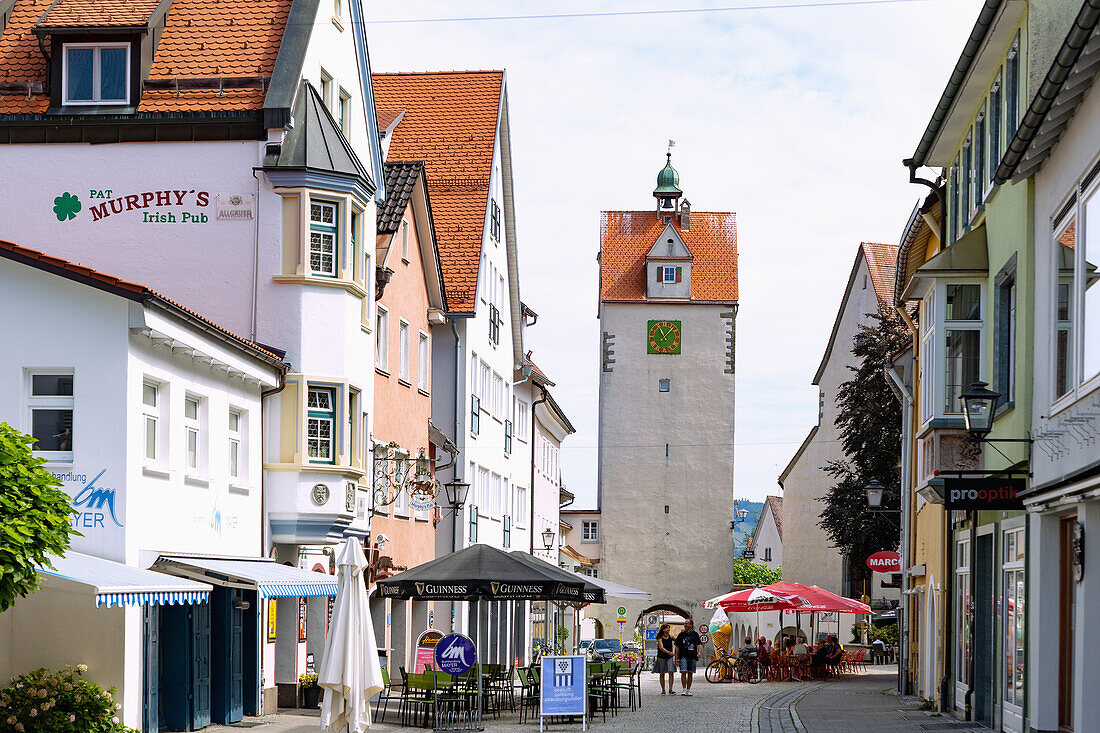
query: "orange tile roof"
882, 260
202, 39
626, 237
98, 13
450, 123
110, 283
535, 367
20, 58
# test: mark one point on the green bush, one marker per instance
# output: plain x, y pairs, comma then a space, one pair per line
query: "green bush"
35, 516
59, 701
887, 632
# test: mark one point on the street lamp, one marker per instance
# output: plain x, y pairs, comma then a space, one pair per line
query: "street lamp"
548, 539
979, 407
874, 491
456, 493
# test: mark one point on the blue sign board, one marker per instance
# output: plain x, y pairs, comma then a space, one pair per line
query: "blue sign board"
455, 654
650, 634
563, 686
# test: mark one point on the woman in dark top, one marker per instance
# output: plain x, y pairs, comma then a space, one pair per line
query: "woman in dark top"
664, 664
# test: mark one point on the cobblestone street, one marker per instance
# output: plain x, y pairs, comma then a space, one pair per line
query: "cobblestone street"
859, 702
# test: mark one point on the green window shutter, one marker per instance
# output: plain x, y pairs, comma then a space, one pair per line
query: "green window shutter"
679, 273
659, 270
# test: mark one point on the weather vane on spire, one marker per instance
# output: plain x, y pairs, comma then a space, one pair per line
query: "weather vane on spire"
671, 145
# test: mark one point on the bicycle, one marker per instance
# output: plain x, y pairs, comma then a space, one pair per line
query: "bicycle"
728, 668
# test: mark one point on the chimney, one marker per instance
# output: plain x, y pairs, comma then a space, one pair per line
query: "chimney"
685, 216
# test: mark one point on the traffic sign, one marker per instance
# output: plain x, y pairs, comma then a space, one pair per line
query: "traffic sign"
622, 610
622, 620
704, 638
650, 634
703, 628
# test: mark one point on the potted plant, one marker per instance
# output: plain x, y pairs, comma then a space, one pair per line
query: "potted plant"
310, 691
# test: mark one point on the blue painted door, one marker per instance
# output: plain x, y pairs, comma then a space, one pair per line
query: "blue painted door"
151, 697
200, 665
236, 661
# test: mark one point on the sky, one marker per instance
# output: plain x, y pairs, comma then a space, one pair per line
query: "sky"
797, 118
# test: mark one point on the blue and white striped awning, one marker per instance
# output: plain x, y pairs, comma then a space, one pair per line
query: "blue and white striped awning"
115, 584
271, 579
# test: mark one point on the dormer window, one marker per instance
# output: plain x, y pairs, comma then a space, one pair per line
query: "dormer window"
96, 73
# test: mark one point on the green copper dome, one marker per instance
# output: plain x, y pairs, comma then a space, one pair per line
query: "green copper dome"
668, 181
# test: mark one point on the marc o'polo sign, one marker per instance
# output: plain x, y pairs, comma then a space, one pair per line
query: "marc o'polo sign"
885, 562
983, 493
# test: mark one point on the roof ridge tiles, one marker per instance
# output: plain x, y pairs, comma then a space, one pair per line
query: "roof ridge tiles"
442, 71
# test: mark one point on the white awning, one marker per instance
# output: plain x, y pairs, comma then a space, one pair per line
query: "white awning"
270, 578
116, 584
616, 590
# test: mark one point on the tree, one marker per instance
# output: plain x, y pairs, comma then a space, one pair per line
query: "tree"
870, 431
35, 516
747, 572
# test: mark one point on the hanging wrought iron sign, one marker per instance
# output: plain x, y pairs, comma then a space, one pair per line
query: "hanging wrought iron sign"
395, 473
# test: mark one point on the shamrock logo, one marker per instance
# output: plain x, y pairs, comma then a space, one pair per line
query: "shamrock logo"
65, 206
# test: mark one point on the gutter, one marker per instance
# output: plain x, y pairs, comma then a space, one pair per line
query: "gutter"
1043, 100
531, 531
906, 398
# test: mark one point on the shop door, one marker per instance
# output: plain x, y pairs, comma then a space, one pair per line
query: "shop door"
984, 625
150, 702
236, 663
227, 678
200, 665
1066, 633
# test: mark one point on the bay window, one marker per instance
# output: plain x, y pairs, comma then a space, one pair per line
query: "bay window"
96, 73
962, 342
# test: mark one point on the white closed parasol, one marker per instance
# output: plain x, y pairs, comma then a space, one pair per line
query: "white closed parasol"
350, 674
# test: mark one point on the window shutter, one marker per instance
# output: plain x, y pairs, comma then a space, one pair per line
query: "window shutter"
659, 271
679, 273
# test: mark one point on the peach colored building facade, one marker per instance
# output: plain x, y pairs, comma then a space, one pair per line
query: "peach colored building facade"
411, 303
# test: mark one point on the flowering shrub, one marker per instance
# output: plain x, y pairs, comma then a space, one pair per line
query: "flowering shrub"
59, 701
633, 658
307, 680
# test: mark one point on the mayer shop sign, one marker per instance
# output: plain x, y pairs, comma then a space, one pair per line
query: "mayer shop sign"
975, 494
885, 562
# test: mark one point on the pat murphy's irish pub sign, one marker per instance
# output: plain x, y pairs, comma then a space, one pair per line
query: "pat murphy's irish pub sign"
164, 206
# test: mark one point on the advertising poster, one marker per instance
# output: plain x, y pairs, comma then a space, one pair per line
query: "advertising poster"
563, 690
271, 627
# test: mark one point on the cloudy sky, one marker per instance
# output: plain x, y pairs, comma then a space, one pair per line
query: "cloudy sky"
796, 117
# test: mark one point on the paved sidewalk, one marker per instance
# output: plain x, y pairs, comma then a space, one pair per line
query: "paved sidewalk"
865, 702
719, 707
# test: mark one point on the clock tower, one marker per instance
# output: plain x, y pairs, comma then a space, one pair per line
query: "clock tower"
668, 306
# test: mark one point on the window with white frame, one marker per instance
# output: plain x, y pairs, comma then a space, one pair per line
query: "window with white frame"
1004, 330
401, 499
962, 343
1012, 89
192, 430
927, 355
403, 348
485, 391
484, 489
345, 113
1076, 272
967, 175
995, 112
590, 530
405, 240
382, 339
326, 88
236, 424
521, 505
1015, 599
321, 425
963, 612
498, 395
51, 403
423, 362
592, 571
150, 422
979, 158
523, 415
96, 73
323, 226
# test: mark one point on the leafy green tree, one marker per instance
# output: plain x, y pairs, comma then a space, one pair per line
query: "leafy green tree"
35, 516
869, 419
747, 572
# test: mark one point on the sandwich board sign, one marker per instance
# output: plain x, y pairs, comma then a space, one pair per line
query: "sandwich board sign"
564, 688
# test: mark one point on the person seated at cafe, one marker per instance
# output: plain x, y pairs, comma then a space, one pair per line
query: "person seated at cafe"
799, 647
827, 655
747, 649
762, 648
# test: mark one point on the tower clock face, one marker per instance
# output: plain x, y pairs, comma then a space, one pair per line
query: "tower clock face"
664, 337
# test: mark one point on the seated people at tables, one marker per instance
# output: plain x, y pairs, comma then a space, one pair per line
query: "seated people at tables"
828, 654
799, 647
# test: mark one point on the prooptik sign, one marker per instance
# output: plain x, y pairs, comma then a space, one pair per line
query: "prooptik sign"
975, 494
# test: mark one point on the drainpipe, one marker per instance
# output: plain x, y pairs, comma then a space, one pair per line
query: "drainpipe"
906, 398
459, 406
936, 189
256, 255
263, 484
532, 508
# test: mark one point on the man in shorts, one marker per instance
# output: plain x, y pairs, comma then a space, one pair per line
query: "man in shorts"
687, 654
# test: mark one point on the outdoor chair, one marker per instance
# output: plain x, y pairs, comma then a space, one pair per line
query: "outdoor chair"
597, 701
626, 682
800, 666
385, 696
419, 698
529, 694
